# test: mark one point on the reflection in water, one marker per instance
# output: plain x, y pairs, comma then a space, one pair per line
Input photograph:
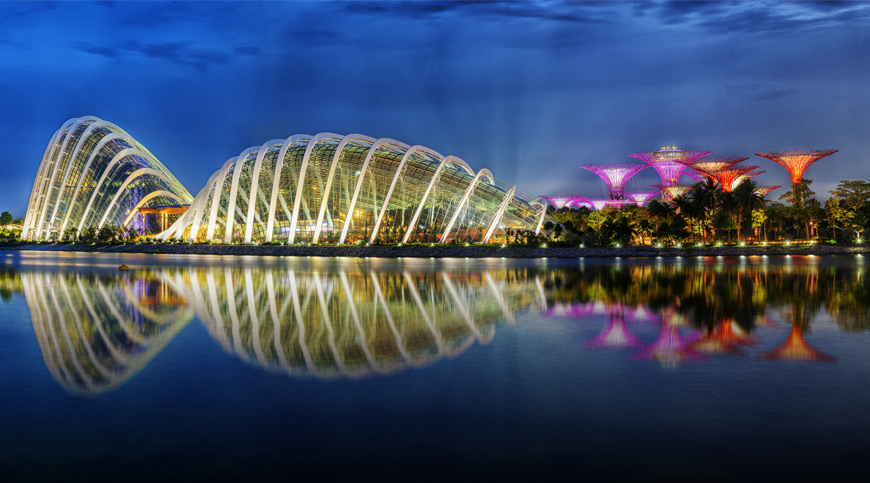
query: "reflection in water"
353, 323
96, 331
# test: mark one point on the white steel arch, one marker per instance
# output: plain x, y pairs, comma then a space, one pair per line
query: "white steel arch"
37, 184
132, 177
279, 164
543, 215
362, 175
72, 157
99, 147
411, 151
216, 198
255, 179
58, 158
241, 160
115, 160
327, 190
147, 198
444, 162
508, 197
300, 184
480, 174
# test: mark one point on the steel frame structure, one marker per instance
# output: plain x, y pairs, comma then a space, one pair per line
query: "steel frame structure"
339, 189
670, 162
93, 173
615, 176
796, 161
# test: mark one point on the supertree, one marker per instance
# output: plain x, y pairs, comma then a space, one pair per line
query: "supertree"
615, 176
561, 201
796, 162
796, 348
727, 177
641, 197
579, 201
672, 191
669, 349
669, 162
696, 176
711, 164
724, 339
743, 177
599, 205
616, 334
764, 190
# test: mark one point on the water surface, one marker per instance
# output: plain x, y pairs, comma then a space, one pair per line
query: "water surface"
225, 368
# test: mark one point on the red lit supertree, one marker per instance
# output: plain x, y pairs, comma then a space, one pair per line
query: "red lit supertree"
727, 177
796, 348
641, 197
669, 162
796, 162
615, 176
764, 190
711, 165
743, 177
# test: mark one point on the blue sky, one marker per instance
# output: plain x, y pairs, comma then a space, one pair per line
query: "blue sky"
530, 90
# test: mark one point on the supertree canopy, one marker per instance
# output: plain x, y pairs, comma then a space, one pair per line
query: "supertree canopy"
641, 197
727, 177
599, 205
671, 191
561, 201
709, 165
764, 190
796, 162
743, 177
669, 162
615, 176
695, 175
580, 201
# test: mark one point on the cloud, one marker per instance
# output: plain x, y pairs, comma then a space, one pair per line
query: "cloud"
567, 12
180, 53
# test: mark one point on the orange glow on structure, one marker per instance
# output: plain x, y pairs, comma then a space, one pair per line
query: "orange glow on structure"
795, 348
796, 162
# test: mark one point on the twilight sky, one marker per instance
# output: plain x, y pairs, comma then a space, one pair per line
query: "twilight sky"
530, 90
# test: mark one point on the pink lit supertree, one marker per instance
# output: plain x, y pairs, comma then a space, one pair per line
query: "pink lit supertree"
615, 176
796, 162
669, 162
599, 205
581, 201
616, 335
641, 197
669, 349
696, 176
560, 201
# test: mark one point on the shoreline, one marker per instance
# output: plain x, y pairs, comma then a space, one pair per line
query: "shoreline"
444, 251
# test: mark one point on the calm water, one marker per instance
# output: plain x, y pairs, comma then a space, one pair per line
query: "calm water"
265, 368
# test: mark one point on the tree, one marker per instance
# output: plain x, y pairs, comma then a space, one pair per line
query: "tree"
855, 194
802, 209
5, 218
